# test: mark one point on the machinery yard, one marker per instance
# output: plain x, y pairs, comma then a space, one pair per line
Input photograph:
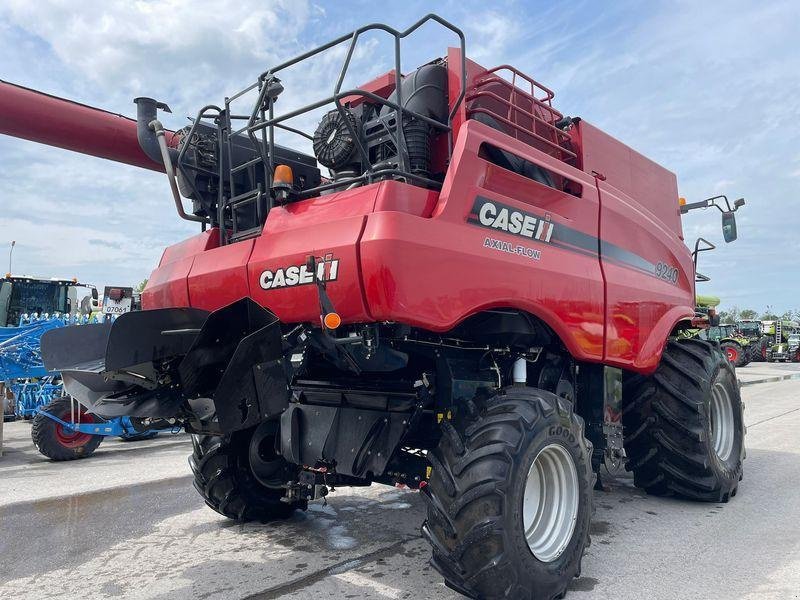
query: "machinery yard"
133, 504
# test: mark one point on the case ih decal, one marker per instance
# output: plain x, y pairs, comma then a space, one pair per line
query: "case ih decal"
293, 275
495, 215
508, 219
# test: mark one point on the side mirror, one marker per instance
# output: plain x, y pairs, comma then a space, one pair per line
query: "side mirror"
729, 226
94, 294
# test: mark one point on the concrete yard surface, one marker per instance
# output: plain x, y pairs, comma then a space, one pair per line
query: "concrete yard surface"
127, 523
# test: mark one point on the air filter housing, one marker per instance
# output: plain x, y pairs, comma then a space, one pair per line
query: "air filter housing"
334, 145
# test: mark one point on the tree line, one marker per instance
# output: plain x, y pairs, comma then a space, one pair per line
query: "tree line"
734, 314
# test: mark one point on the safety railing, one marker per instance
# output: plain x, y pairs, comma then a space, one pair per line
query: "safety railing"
528, 115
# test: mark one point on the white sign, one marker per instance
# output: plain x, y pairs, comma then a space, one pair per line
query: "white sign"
120, 306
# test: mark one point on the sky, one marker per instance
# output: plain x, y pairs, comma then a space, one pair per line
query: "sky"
709, 90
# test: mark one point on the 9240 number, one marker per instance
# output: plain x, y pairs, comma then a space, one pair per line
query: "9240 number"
667, 272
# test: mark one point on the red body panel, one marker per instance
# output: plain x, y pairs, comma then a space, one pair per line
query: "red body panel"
612, 277
168, 286
219, 276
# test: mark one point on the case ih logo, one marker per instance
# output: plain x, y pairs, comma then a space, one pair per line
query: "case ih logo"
494, 215
327, 270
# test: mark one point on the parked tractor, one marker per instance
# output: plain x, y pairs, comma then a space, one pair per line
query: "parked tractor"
759, 341
462, 291
735, 346
782, 333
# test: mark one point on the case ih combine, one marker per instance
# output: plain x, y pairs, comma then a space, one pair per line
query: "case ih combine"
449, 295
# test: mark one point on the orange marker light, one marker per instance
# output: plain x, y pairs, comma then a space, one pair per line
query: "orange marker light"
283, 176
332, 320
681, 201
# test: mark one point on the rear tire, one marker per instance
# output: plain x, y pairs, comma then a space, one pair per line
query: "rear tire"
747, 356
684, 427
224, 478
486, 506
55, 441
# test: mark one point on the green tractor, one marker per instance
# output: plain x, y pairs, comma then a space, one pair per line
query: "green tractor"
735, 345
785, 336
760, 341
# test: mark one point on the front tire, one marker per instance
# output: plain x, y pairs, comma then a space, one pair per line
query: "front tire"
734, 353
229, 484
683, 425
490, 498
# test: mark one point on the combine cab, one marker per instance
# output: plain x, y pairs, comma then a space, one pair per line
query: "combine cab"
446, 291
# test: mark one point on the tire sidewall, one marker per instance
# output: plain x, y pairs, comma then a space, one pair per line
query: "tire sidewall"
730, 469
43, 434
554, 429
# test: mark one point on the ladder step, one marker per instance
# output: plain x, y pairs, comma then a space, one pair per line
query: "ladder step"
244, 198
245, 165
246, 234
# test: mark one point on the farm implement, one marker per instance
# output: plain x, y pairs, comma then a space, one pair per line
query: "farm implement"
61, 428
446, 284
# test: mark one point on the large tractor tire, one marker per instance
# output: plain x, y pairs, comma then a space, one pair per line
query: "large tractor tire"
759, 350
683, 425
734, 353
57, 442
510, 497
239, 475
747, 356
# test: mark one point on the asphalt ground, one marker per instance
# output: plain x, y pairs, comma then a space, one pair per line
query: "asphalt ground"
126, 523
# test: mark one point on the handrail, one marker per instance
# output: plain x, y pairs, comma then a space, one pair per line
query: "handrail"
259, 122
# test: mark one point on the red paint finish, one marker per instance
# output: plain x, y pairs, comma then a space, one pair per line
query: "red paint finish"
54, 121
167, 286
219, 276
402, 253
433, 273
642, 309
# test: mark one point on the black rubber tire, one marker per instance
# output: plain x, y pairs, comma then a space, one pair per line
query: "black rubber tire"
667, 425
759, 353
223, 477
44, 434
735, 347
747, 356
475, 497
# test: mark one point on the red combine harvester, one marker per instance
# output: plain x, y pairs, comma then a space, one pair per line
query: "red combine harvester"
479, 298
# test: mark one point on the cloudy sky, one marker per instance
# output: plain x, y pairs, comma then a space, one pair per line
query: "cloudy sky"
710, 90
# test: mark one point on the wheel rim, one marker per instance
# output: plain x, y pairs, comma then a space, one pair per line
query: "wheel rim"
723, 427
732, 354
550, 503
73, 439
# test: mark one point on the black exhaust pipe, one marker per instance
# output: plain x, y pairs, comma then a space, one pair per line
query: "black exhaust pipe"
146, 113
